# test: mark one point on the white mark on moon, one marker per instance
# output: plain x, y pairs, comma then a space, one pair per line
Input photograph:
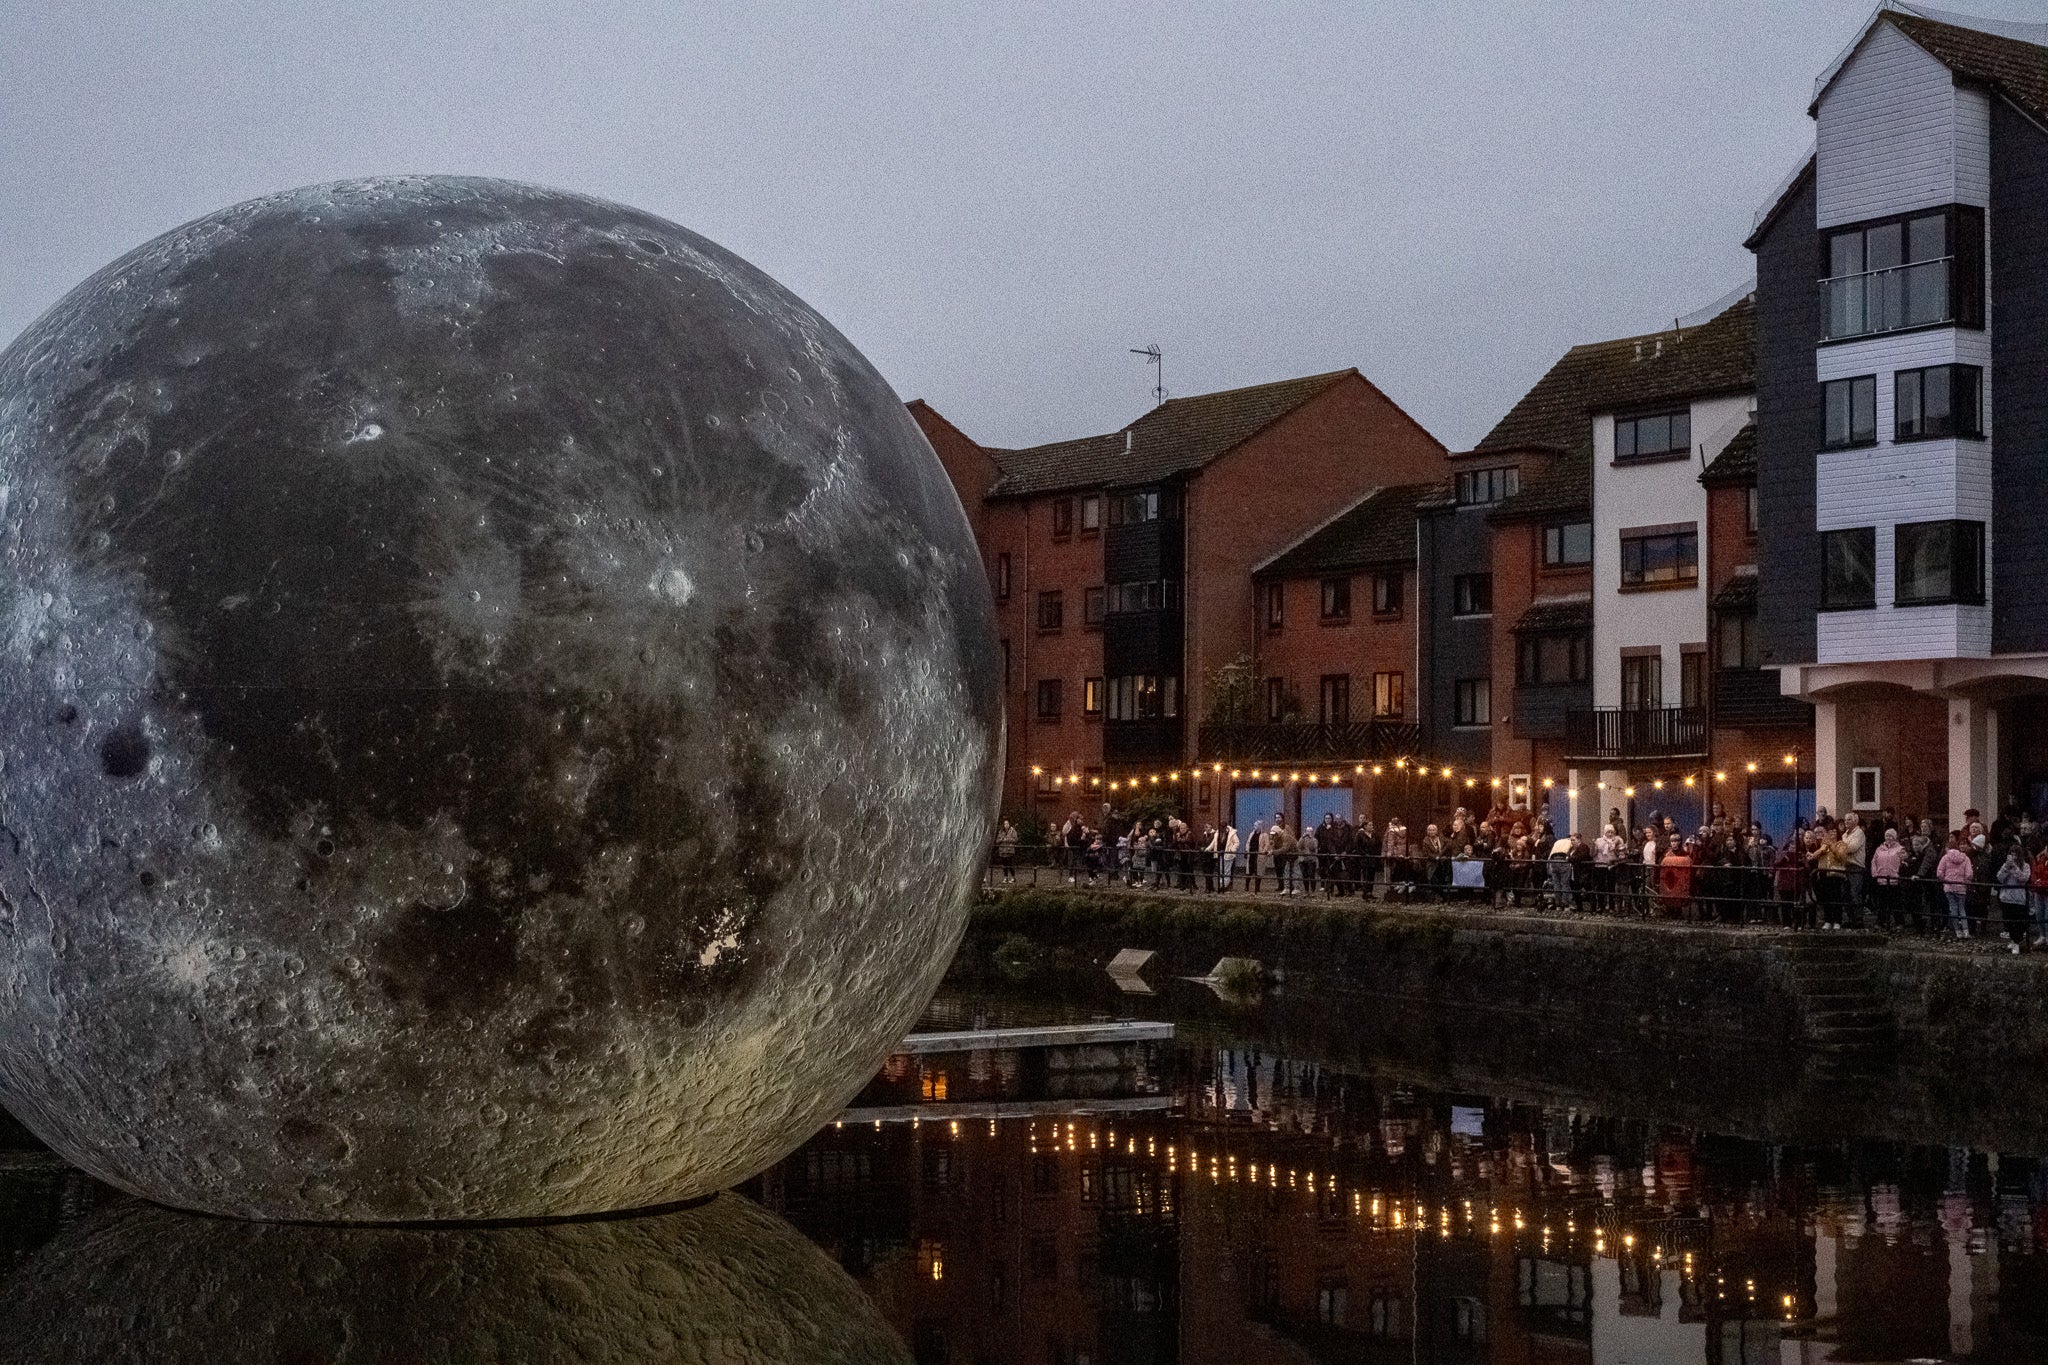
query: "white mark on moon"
672, 584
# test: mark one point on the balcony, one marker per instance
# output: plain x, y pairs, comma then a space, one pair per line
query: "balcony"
1612, 733
1748, 698
1308, 742
1888, 300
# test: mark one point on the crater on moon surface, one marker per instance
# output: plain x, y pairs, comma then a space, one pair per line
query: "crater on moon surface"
501, 708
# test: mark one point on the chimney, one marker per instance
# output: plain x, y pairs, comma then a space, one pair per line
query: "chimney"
1127, 440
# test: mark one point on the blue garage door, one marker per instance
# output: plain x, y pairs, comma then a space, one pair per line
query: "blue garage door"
1316, 802
1253, 804
1777, 809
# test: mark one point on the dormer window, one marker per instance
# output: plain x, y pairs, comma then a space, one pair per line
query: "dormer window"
1480, 487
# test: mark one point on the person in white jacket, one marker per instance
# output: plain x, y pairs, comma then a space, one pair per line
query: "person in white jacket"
1230, 846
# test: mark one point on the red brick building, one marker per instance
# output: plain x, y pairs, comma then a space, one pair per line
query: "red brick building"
1337, 642
1122, 564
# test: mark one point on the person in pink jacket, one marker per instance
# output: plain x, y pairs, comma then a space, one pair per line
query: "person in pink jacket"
1953, 872
1886, 860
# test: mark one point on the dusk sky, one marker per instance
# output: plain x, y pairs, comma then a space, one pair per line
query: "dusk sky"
997, 201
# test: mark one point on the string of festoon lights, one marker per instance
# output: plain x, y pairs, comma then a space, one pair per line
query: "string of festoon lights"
1073, 779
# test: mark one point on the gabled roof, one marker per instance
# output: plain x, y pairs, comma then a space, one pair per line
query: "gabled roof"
2016, 69
1564, 489
2010, 57
1177, 437
1377, 529
1718, 357
1736, 464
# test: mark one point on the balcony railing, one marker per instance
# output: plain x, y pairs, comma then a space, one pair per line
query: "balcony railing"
1286, 741
1888, 300
1619, 733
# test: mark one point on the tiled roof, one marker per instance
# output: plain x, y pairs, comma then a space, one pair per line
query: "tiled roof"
2018, 70
1378, 529
1574, 612
1566, 487
1178, 436
1739, 594
1737, 461
1717, 356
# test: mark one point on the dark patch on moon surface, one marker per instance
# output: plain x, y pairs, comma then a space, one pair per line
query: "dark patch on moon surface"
508, 656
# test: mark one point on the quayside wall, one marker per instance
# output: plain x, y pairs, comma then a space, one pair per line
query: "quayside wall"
1846, 1033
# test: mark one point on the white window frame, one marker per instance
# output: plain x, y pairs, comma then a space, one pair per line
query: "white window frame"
1876, 776
1526, 785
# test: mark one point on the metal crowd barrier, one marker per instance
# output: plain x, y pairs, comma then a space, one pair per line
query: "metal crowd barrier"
1791, 898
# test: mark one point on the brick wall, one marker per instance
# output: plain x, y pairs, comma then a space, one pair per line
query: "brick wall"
1271, 491
1022, 529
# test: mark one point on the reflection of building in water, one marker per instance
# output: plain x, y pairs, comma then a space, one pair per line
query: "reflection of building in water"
1298, 1213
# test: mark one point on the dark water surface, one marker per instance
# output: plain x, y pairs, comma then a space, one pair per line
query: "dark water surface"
1253, 1190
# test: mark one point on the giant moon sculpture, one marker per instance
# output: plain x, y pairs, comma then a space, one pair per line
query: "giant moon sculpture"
497, 705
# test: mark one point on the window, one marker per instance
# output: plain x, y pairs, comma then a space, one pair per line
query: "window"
1848, 568
1660, 556
1569, 544
1002, 578
1335, 704
1091, 697
1051, 610
1938, 561
1866, 785
1544, 660
1336, 599
1642, 682
1048, 698
1898, 272
1143, 696
1386, 594
1478, 487
1692, 678
1388, 703
1653, 435
1737, 631
1092, 601
1749, 511
1851, 407
1942, 400
1006, 666
1127, 509
1091, 514
1472, 594
1062, 518
1276, 699
1330, 1296
1276, 602
1151, 595
1388, 1316
1474, 701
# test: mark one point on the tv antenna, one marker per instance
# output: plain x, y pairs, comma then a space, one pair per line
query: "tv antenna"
1157, 359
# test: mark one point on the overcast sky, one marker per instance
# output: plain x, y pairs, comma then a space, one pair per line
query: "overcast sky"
996, 200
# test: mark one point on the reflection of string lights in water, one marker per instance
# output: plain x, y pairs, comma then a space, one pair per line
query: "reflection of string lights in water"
1573, 1233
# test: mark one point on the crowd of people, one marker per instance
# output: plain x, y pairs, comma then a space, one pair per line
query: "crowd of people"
1893, 873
